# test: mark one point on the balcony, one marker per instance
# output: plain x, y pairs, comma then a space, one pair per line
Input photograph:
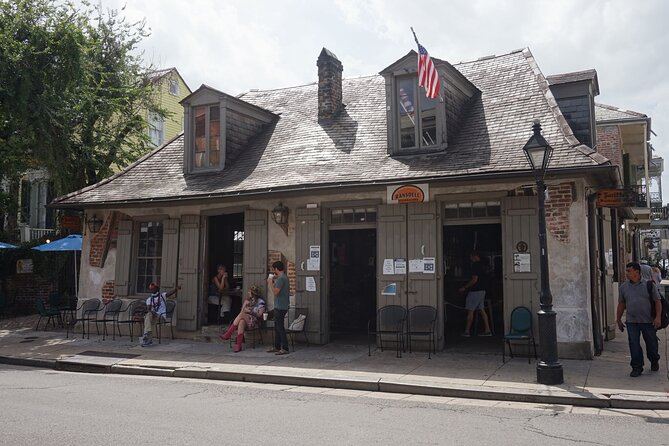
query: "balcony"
26, 234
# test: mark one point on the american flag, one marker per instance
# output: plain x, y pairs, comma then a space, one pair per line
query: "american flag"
428, 76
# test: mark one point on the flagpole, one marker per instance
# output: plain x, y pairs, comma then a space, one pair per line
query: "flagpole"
441, 98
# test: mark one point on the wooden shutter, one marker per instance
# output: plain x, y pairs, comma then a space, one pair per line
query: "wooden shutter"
520, 224
123, 258
170, 256
255, 248
189, 243
391, 243
307, 234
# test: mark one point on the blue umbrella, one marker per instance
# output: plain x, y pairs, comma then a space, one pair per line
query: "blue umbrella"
69, 243
6, 246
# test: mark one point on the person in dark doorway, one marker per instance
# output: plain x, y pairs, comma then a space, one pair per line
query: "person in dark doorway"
218, 301
156, 307
249, 317
634, 299
278, 283
476, 288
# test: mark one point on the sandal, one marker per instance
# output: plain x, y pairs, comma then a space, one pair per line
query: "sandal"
281, 352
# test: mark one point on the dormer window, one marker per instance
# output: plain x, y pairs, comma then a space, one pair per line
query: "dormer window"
207, 134
416, 116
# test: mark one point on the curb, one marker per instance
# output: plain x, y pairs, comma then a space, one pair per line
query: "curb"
614, 401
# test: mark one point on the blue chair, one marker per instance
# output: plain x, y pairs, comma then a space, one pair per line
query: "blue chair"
520, 330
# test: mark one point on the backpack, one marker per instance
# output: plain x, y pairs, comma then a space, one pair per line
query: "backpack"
664, 315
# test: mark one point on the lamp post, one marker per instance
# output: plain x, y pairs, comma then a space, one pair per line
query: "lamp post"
549, 370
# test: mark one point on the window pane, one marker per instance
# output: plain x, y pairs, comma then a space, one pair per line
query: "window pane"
360, 216
406, 99
479, 209
336, 216
451, 211
200, 132
428, 121
347, 216
371, 214
214, 135
465, 210
149, 255
494, 209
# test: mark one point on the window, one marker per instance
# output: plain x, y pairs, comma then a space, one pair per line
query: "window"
156, 129
238, 255
174, 87
476, 209
416, 116
353, 215
149, 255
207, 134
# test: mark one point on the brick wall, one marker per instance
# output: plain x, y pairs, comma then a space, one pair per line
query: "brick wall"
329, 85
608, 143
23, 289
103, 241
108, 291
560, 198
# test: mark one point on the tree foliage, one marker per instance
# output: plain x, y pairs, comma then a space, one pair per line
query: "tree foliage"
74, 93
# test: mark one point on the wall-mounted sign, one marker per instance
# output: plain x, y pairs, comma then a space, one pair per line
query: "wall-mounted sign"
616, 198
408, 193
24, 266
521, 246
71, 222
522, 263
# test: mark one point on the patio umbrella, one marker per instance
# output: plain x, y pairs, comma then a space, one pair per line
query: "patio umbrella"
69, 243
6, 246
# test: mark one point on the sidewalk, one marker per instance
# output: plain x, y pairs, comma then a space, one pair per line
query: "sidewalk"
601, 383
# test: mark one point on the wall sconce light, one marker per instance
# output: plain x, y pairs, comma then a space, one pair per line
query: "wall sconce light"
280, 217
94, 224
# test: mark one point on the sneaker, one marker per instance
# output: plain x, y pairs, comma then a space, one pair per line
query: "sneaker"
146, 342
655, 366
465, 335
486, 334
272, 350
635, 372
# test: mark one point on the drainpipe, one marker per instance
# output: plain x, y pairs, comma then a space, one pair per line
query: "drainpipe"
595, 274
645, 162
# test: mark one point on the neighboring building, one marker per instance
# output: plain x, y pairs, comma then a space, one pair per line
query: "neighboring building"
378, 185
35, 220
171, 89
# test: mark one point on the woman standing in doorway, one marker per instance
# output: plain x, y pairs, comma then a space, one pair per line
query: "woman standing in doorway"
219, 303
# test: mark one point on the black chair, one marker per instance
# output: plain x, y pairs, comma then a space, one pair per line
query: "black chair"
135, 311
110, 313
421, 322
520, 330
389, 321
51, 315
167, 318
298, 325
89, 310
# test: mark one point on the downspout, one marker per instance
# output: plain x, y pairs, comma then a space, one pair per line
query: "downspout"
595, 274
645, 162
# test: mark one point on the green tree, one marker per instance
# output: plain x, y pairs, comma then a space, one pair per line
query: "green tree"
74, 93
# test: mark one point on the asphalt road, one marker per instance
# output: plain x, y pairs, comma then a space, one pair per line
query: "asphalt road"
40, 407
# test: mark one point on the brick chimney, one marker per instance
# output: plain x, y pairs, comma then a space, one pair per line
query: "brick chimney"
329, 85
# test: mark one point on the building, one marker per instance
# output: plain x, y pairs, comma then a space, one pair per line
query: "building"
361, 183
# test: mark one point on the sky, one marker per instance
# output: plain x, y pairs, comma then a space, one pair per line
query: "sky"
235, 46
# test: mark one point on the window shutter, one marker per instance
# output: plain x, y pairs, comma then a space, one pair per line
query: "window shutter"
123, 258
168, 273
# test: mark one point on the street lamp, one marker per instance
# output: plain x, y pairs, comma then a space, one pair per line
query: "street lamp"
549, 370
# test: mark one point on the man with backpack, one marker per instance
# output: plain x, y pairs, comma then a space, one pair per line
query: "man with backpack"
636, 297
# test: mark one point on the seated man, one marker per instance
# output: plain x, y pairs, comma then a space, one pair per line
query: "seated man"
156, 308
249, 317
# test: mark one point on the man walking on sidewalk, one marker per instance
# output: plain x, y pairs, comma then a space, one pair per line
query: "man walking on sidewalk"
475, 299
635, 298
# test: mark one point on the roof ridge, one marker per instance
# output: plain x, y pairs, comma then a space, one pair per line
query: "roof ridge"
564, 126
259, 90
491, 56
622, 110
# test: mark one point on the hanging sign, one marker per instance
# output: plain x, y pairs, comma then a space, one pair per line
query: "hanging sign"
616, 198
408, 193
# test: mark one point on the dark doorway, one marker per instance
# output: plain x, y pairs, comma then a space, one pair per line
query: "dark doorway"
226, 247
459, 242
352, 281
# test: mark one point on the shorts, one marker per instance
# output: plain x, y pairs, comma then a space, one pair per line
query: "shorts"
475, 300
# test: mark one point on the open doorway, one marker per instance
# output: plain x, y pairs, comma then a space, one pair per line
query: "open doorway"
459, 242
225, 247
352, 282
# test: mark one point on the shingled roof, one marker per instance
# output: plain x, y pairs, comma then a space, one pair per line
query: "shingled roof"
608, 113
298, 153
